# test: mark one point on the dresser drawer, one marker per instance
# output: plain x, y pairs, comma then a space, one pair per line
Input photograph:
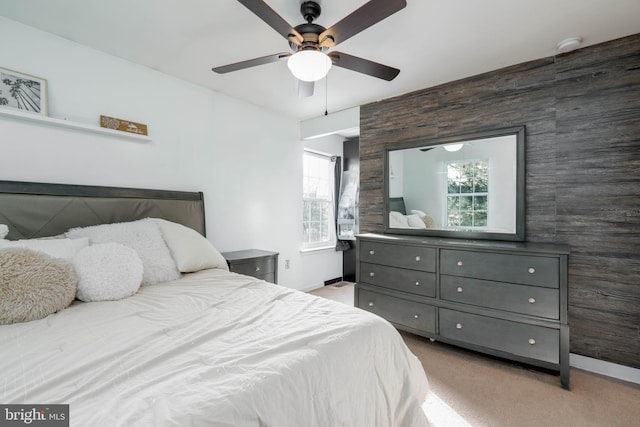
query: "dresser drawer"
399, 311
413, 281
523, 269
524, 340
254, 267
403, 256
531, 300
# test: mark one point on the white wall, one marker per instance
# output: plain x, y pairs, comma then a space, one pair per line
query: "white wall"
246, 160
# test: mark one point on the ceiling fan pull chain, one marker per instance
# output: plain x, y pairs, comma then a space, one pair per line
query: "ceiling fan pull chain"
326, 91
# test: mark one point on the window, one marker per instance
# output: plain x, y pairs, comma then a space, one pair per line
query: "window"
467, 193
317, 188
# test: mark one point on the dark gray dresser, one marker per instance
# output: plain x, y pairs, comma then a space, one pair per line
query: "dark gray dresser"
501, 298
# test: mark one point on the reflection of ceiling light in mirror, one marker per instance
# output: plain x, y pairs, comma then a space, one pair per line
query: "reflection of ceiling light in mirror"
309, 65
453, 147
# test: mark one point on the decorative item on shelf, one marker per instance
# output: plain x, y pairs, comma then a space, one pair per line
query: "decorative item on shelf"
123, 125
23, 92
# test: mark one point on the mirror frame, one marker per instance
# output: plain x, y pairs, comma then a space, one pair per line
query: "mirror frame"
518, 235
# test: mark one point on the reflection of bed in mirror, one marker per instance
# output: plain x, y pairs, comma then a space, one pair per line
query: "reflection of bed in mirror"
471, 186
399, 218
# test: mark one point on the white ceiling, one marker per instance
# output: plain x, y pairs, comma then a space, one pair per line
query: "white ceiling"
430, 41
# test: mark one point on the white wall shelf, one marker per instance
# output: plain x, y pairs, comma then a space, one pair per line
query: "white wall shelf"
20, 115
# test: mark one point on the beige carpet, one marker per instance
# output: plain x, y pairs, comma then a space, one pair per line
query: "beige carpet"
469, 389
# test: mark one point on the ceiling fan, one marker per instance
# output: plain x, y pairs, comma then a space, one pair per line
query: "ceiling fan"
310, 58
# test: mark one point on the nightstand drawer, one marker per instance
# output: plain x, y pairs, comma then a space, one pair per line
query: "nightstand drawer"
399, 311
413, 257
531, 300
271, 277
254, 267
523, 269
524, 340
413, 281
254, 262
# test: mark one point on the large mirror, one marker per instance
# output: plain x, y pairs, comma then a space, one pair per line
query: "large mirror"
470, 186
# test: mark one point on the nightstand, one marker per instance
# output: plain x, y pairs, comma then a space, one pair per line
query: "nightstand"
254, 262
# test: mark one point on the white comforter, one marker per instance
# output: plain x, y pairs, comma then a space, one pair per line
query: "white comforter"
215, 349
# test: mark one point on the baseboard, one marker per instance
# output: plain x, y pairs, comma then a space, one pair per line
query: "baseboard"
609, 369
332, 281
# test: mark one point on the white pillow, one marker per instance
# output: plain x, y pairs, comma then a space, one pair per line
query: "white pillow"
397, 220
145, 238
417, 212
107, 272
55, 248
4, 230
415, 221
190, 250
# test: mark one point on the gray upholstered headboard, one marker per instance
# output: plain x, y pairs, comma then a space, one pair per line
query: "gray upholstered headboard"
397, 204
34, 210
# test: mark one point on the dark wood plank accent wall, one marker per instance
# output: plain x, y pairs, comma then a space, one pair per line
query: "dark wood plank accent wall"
582, 116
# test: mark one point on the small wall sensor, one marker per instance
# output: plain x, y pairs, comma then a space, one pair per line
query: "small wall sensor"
569, 44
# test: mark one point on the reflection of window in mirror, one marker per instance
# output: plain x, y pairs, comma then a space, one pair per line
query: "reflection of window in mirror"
467, 193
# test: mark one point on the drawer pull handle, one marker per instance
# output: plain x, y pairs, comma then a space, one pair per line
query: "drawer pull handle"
415, 316
532, 341
372, 274
531, 270
257, 268
532, 300
417, 283
458, 325
372, 252
459, 263
370, 303
459, 289
418, 258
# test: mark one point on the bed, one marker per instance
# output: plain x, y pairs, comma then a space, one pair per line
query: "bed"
210, 348
398, 217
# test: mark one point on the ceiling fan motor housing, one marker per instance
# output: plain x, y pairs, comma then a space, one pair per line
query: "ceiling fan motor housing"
309, 31
310, 34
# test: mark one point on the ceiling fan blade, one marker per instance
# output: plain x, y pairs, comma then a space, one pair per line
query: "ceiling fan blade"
369, 14
305, 89
250, 63
271, 18
364, 66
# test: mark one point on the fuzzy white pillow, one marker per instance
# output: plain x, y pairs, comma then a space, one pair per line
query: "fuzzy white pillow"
145, 238
107, 272
190, 250
4, 230
56, 248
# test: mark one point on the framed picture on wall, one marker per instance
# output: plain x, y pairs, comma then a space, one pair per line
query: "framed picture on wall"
22, 92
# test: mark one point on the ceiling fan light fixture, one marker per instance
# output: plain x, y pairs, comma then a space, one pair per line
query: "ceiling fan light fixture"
309, 65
